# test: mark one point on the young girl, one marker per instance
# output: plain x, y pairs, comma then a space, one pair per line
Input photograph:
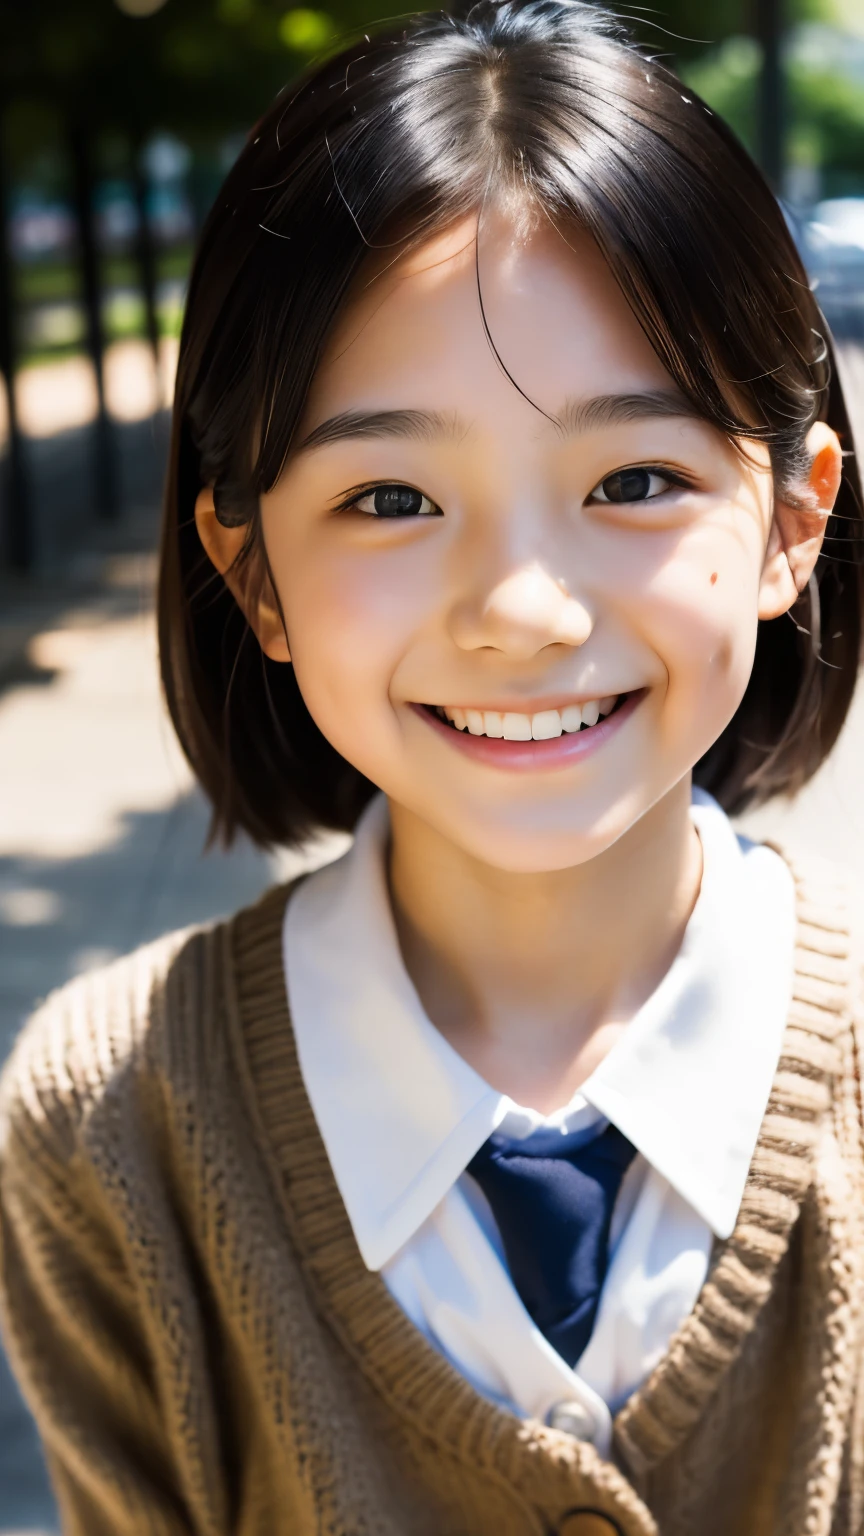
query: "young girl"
503, 1178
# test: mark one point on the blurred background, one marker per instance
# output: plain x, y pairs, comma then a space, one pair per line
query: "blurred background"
118, 120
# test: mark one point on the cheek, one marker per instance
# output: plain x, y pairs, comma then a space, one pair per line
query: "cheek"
691, 596
702, 615
351, 615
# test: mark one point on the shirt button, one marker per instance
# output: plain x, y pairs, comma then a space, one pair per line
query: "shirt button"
586, 1522
572, 1418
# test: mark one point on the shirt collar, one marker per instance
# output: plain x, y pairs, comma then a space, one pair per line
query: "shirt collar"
401, 1114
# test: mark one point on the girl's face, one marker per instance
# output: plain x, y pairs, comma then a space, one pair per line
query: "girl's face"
523, 553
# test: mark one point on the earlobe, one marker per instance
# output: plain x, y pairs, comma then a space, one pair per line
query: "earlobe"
270, 630
251, 588
777, 587
798, 525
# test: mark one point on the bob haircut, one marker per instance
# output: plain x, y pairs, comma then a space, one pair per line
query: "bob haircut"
382, 144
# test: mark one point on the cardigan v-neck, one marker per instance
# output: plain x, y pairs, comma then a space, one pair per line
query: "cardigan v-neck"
401, 1114
396, 1357
206, 1353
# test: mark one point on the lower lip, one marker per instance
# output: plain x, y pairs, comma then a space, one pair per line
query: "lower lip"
533, 755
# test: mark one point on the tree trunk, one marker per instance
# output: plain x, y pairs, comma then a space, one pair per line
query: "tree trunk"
771, 117
145, 253
18, 541
105, 467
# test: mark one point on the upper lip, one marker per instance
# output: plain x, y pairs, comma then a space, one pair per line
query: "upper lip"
531, 706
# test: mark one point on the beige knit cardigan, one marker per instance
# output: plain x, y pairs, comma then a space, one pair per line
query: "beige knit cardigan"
205, 1352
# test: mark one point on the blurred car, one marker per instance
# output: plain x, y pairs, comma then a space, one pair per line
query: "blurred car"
830, 237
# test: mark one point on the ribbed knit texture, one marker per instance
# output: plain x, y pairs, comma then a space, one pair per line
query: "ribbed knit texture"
205, 1352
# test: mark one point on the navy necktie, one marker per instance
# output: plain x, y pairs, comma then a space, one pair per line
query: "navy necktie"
552, 1198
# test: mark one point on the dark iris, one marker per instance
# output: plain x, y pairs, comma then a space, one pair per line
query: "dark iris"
397, 501
627, 485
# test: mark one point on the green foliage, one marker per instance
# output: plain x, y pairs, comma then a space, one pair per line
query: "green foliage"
235, 12
727, 78
206, 68
828, 123
681, 30
306, 31
825, 109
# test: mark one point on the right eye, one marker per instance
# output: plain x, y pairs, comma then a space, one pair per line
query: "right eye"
395, 501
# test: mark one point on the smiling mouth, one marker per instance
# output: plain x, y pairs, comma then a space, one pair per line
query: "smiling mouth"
543, 725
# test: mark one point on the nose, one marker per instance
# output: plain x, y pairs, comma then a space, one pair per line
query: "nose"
523, 613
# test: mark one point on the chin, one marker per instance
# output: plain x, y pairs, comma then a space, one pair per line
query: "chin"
519, 846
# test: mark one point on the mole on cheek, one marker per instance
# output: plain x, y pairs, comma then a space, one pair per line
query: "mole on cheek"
713, 577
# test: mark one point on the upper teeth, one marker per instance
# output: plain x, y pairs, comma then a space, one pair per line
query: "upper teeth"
540, 727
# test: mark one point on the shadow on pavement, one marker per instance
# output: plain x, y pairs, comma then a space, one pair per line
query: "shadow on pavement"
61, 476
67, 915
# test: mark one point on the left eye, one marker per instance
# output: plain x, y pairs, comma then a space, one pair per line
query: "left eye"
627, 485
395, 501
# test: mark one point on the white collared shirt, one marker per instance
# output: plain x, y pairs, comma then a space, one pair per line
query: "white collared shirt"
401, 1115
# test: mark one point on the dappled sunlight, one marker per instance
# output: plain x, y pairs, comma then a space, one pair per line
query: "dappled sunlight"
90, 746
102, 830
60, 395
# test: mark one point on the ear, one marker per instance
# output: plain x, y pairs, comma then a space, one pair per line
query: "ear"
798, 525
253, 592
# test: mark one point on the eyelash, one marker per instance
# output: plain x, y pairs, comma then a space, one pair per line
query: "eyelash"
359, 491
674, 477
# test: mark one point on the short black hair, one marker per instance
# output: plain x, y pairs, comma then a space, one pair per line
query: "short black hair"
399, 135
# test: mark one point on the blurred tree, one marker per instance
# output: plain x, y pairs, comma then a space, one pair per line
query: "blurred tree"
199, 67
685, 29
196, 66
204, 67
826, 109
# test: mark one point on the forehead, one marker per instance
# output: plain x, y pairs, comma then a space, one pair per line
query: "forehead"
412, 331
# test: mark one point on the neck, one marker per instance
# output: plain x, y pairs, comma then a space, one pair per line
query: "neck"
531, 977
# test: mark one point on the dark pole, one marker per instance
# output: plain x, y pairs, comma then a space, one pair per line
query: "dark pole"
17, 504
105, 454
771, 107
145, 253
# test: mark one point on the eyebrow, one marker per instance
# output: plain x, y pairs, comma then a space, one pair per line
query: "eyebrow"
577, 416
421, 426
617, 410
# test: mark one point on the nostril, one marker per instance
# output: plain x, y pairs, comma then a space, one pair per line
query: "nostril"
524, 613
